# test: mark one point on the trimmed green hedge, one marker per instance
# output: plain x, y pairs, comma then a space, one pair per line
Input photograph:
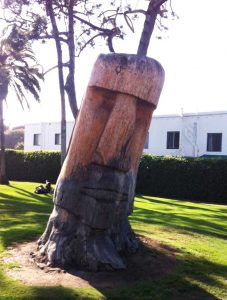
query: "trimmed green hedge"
203, 179
34, 166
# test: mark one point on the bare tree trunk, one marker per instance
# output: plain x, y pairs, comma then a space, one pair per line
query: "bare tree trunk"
3, 177
60, 77
149, 24
70, 82
94, 194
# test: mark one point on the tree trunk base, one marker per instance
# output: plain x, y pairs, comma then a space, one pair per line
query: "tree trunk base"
4, 180
67, 241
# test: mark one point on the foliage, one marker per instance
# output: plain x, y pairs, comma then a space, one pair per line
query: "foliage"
195, 233
174, 177
74, 25
18, 66
92, 21
203, 179
19, 71
13, 137
33, 166
19, 146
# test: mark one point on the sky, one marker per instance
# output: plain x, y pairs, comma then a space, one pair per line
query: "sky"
193, 53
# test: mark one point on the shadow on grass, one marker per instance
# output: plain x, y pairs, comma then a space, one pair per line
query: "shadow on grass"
205, 221
173, 287
163, 278
182, 203
30, 194
159, 279
177, 286
184, 282
24, 219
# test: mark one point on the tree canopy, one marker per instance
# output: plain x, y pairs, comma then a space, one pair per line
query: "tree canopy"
18, 67
74, 25
19, 71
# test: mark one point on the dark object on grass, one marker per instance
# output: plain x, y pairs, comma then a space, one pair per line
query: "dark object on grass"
44, 190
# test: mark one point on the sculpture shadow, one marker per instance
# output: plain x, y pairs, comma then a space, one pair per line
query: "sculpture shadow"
156, 272
153, 273
152, 260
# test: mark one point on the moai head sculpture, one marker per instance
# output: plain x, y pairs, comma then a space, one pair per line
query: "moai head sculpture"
94, 194
97, 181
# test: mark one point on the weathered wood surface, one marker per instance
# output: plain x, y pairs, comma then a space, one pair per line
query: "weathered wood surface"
95, 190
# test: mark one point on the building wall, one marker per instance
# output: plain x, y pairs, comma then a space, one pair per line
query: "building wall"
193, 129
29, 131
211, 123
47, 133
158, 135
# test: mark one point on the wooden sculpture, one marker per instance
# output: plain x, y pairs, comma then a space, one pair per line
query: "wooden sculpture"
95, 190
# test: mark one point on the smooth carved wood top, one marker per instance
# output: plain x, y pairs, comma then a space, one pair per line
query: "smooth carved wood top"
135, 75
115, 114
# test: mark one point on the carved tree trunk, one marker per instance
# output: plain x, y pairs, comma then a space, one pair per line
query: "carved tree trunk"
95, 190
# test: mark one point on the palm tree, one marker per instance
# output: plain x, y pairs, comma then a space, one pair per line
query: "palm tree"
20, 72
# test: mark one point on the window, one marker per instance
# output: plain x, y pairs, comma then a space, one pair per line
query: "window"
173, 139
146, 144
36, 139
57, 139
214, 141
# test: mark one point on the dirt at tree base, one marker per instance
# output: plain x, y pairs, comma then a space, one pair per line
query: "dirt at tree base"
152, 261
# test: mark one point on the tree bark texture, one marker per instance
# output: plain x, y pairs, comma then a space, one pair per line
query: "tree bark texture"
3, 177
70, 81
94, 193
148, 29
50, 10
149, 24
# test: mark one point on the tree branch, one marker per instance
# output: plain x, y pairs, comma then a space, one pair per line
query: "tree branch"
55, 67
148, 28
70, 82
94, 27
49, 8
155, 4
88, 42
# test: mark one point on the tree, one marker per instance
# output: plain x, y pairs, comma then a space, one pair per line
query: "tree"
19, 146
154, 8
73, 25
14, 136
94, 193
17, 71
57, 20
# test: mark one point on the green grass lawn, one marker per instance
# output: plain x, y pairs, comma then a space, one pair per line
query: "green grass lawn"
197, 233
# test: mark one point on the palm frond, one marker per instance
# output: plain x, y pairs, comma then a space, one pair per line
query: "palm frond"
19, 93
19, 65
29, 87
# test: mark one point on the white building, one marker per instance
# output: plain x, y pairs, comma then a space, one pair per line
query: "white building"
45, 136
176, 135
